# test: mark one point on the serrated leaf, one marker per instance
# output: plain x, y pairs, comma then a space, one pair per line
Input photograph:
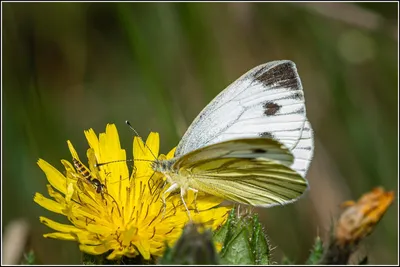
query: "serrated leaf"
244, 241
316, 252
221, 234
259, 244
238, 250
29, 258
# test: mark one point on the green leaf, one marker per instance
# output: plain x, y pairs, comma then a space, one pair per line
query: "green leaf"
221, 234
244, 241
259, 243
238, 250
316, 252
29, 258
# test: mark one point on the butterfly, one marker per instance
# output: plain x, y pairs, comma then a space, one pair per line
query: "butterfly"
252, 144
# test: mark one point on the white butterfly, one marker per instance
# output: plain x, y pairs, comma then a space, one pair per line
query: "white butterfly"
252, 144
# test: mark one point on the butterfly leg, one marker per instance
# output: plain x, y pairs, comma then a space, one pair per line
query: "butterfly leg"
195, 198
170, 189
183, 193
148, 183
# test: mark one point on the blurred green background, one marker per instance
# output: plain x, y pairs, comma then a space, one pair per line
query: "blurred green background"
68, 67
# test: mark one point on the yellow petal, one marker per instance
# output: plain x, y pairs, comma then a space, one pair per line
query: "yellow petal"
212, 218
61, 236
68, 166
112, 137
57, 196
94, 250
218, 246
153, 144
55, 178
144, 248
100, 229
59, 226
171, 153
91, 155
72, 150
145, 154
205, 201
48, 204
118, 253
110, 151
93, 141
70, 192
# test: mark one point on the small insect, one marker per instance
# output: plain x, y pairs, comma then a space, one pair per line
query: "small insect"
252, 144
85, 173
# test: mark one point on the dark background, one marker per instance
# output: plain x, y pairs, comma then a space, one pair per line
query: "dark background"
68, 67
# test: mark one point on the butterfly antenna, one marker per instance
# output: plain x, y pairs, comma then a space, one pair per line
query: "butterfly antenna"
120, 160
130, 126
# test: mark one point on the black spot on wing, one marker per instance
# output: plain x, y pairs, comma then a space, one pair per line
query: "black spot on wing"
299, 111
271, 108
281, 75
304, 148
267, 135
297, 95
259, 151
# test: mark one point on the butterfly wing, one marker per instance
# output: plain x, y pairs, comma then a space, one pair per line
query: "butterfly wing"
304, 150
267, 101
248, 171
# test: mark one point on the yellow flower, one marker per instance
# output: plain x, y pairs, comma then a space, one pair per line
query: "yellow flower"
127, 216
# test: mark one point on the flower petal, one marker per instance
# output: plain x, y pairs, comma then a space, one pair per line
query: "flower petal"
145, 154
94, 250
61, 236
55, 178
171, 153
48, 204
93, 141
59, 226
72, 150
110, 151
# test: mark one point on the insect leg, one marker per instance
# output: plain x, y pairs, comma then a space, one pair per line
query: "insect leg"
195, 198
183, 193
170, 189
148, 183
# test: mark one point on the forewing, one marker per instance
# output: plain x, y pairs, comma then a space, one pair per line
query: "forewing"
267, 101
304, 150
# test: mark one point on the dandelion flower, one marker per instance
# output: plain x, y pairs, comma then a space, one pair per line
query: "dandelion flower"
114, 209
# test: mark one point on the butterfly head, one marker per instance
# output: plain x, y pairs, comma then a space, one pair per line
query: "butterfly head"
160, 165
